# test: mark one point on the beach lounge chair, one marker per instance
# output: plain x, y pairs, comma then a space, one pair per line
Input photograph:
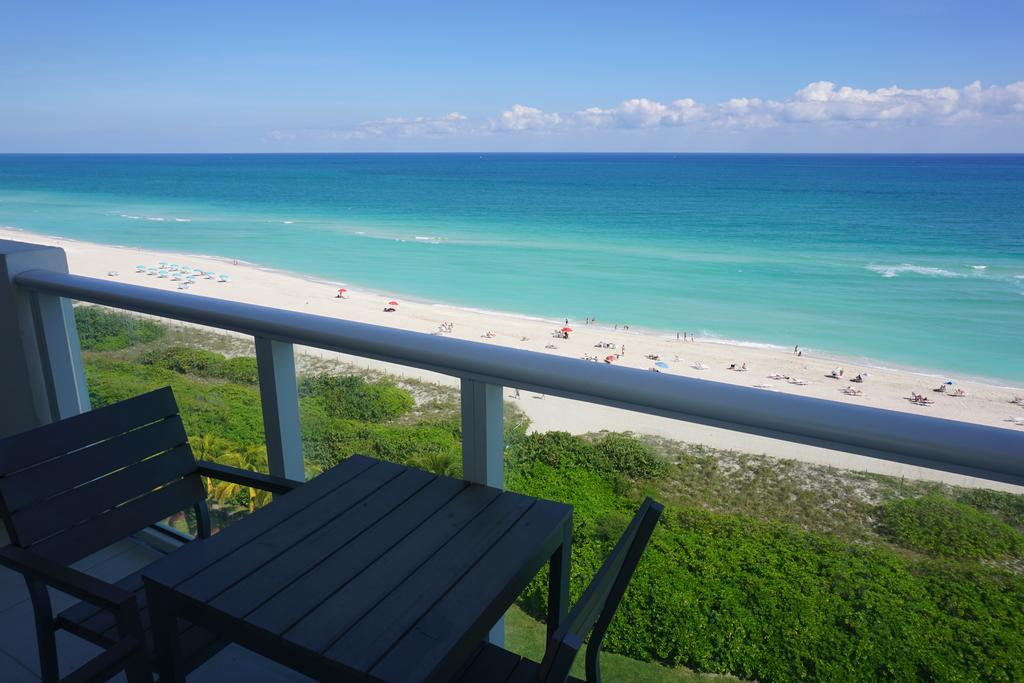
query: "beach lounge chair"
590, 616
74, 487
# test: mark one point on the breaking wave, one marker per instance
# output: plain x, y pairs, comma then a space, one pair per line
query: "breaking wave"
895, 271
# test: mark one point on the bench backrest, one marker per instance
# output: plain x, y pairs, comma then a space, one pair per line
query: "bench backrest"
595, 609
70, 488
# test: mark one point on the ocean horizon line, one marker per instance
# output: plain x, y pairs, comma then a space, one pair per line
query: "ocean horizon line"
519, 153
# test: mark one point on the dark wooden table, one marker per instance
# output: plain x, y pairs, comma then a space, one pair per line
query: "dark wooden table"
372, 571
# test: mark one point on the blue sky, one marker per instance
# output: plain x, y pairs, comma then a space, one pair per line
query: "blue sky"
645, 76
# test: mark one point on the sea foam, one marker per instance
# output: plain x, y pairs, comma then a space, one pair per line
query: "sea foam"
895, 271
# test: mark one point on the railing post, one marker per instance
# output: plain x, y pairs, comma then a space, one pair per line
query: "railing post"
280, 398
40, 361
483, 448
61, 355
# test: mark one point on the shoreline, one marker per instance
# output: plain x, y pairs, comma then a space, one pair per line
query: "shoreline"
840, 359
887, 388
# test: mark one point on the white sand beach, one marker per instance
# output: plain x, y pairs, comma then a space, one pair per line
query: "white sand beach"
883, 388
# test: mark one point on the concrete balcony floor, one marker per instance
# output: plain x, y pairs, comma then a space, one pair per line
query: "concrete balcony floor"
19, 660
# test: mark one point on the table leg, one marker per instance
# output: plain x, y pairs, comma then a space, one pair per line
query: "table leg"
165, 635
558, 580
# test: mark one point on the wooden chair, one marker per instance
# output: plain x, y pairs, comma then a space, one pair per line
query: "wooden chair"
71, 488
592, 614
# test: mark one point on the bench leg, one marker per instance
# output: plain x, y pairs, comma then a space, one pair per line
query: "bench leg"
558, 580
165, 636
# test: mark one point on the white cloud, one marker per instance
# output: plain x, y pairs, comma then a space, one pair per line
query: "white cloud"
520, 118
820, 104
420, 126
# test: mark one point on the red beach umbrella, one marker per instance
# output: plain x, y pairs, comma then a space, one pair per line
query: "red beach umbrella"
566, 329
392, 303
609, 359
342, 290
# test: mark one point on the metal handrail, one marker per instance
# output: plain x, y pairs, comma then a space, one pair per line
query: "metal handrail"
971, 449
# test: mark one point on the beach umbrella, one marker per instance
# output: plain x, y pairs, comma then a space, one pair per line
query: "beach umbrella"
609, 359
949, 381
566, 329
342, 290
661, 364
392, 303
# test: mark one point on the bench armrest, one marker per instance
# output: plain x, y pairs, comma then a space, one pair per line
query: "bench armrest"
66, 579
256, 480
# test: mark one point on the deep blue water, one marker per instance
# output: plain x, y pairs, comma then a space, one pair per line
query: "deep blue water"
904, 259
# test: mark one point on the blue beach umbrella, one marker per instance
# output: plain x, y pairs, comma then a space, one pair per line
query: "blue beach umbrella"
661, 364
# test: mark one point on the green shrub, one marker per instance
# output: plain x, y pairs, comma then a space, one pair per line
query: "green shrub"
226, 411
557, 449
100, 329
353, 398
617, 454
1007, 506
202, 363
242, 369
186, 360
631, 457
940, 526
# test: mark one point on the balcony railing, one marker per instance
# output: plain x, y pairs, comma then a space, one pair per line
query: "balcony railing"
40, 349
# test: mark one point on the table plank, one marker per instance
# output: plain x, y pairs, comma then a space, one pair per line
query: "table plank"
248, 558
381, 518
193, 557
296, 601
453, 628
475, 518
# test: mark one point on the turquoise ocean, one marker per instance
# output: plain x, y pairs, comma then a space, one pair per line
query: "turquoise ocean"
901, 260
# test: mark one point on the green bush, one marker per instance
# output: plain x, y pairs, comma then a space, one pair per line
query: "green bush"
940, 526
202, 363
186, 360
617, 454
100, 329
1007, 506
328, 440
631, 457
242, 369
555, 449
227, 411
352, 398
